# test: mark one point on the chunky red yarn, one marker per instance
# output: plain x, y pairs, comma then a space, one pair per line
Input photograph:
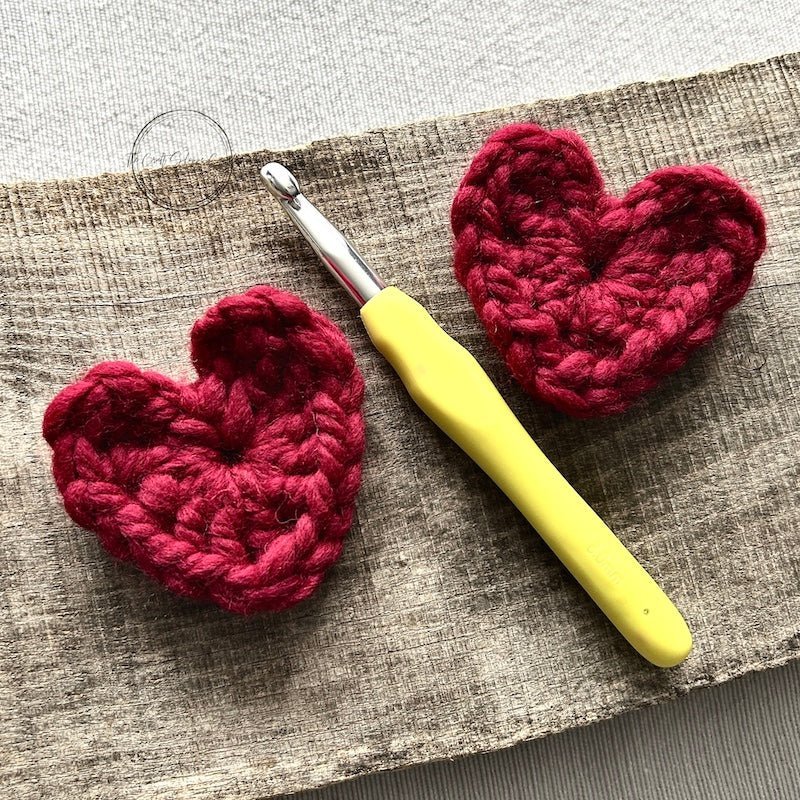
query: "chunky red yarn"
238, 488
592, 299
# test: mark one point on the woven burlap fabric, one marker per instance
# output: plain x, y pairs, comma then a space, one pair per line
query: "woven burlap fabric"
447, 627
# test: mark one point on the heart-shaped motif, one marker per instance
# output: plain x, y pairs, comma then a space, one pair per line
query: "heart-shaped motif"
238, 488
592, 299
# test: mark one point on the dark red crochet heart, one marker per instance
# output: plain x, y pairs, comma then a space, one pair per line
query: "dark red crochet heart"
592, 299
238, 488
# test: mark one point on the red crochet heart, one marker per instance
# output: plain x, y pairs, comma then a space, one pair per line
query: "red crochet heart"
238, 488
592, 299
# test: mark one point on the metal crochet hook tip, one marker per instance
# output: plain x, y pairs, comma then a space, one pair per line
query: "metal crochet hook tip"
282, 185
335, 251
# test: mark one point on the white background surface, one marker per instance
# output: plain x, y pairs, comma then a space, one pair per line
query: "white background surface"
79, 81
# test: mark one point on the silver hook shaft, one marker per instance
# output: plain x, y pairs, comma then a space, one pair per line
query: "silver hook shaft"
335, 251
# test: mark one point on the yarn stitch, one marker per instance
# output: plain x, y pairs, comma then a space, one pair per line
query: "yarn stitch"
238, 488
592, 299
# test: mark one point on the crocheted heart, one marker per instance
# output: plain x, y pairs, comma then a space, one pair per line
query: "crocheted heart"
238, 488
592, 299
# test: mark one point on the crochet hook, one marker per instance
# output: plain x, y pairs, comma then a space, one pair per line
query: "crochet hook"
449, 385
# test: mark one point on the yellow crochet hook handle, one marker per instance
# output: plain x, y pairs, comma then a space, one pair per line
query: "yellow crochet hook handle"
449, 385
